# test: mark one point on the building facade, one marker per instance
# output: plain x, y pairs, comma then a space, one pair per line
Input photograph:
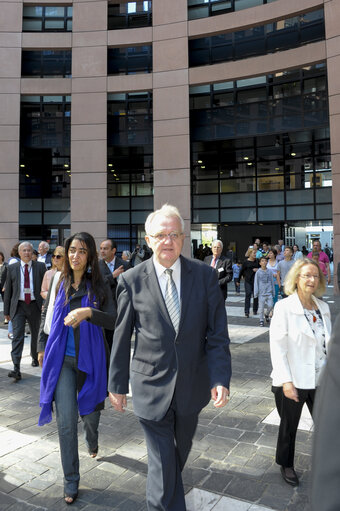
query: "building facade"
229, 109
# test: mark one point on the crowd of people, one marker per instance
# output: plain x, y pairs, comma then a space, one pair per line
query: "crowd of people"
83, 306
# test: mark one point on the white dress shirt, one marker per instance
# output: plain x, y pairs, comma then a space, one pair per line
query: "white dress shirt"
22, 280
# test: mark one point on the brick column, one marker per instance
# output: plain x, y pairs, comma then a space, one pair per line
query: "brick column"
89, 119
332, 16
171, 108
10, 74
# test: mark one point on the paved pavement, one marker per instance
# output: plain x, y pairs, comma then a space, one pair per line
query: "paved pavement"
231, 466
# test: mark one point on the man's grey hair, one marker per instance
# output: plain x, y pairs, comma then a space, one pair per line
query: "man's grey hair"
23, 244
46, 245
166, 210
218, 241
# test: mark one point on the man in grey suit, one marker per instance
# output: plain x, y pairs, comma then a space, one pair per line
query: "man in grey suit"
222, 266
23, 302
181, 356
325, 495
111, 266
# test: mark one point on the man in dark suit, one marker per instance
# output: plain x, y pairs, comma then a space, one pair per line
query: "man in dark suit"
44, 255
222, 266
23, 302
111, 266
181, 356
326, 413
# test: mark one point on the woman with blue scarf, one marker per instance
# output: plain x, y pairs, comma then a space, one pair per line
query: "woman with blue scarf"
75, 355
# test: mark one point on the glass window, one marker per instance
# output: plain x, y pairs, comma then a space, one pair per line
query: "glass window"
238, 199
205, 201
44, 63
301, 212
123, 15
272, 213
324, 211
246, 4
47, 18
323, 195
238, 215
237, 185
130, 60
270, 198
259, 40
205, 215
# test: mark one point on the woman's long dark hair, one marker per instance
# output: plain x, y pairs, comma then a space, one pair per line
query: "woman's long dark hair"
92, 273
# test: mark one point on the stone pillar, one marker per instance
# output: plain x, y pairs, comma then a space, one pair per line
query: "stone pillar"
171, 109
332, 16
10, 75
89, 119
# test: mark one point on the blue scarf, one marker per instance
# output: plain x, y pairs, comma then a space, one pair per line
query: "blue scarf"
91, 360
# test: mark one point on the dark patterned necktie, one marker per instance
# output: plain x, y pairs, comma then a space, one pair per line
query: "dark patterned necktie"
171, 300
27, 285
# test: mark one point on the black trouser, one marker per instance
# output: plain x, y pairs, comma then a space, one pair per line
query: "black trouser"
249, 288
168, 442
290, 413
31, 313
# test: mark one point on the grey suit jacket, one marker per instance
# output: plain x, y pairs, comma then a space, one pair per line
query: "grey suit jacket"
12, 286
188, 364
326, 467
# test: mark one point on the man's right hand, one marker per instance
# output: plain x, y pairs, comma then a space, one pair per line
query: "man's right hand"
118, 401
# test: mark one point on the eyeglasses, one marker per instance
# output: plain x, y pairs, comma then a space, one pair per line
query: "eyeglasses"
174, 236
57, 256
308, 276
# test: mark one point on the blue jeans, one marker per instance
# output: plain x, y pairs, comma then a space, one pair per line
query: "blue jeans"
66, 404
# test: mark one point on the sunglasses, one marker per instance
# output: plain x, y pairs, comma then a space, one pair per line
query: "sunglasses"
57, 256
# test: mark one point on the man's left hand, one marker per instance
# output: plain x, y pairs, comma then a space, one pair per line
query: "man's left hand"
220, 396
118, 271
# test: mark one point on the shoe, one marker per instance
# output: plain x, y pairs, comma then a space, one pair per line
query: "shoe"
34, 363
267, 318
254, 313
289, 475
247, 314
15, 374
261, 323
10, 336
70, 499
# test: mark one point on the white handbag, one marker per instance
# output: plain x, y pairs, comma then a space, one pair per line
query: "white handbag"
50, 308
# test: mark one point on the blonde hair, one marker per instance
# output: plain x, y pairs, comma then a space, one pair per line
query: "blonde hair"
166, 210
59, 250
250, 250
290, 284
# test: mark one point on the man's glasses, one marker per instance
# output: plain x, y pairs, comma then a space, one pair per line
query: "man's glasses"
174, 236
57, 256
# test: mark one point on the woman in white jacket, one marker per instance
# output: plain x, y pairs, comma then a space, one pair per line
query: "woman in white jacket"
299, 333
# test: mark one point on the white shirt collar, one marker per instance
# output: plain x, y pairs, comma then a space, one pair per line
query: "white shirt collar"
23, 263
161, 269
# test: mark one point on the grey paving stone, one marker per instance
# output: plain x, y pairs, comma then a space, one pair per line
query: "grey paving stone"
258, 461
6, 501
244, 450
216, 482
250, 489
226, 432
202, 462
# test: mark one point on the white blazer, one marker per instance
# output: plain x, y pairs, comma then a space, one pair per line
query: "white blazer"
292, 342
